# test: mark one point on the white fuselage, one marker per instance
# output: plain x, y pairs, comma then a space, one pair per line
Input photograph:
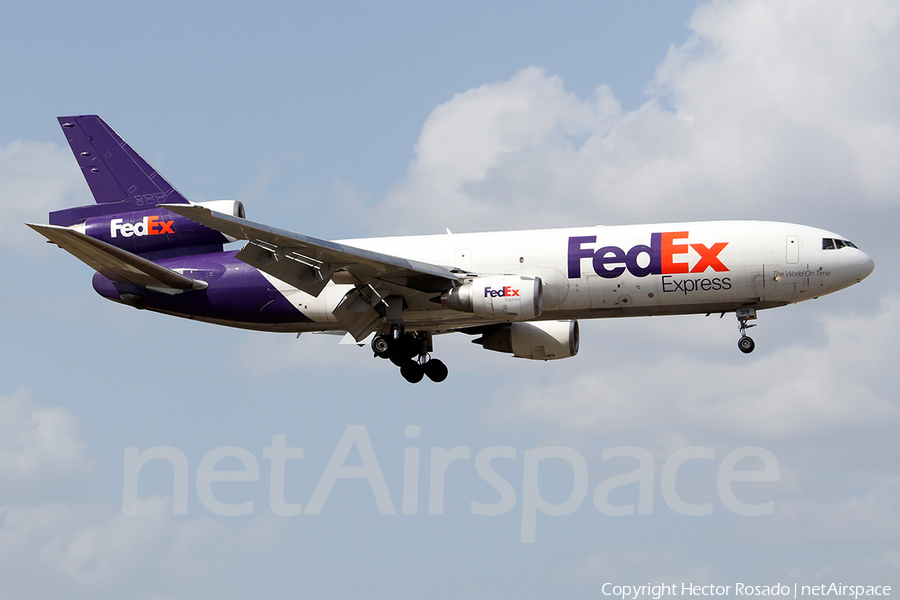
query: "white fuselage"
627, 270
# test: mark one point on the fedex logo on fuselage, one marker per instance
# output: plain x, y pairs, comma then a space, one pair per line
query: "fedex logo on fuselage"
664, 256
147, 226
504, 292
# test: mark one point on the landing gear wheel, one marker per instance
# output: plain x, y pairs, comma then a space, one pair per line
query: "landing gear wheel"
381, 346
405, 348
409, 351
746, 344
412, 371
436, 370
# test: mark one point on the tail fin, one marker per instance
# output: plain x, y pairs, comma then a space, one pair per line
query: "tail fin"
119, 178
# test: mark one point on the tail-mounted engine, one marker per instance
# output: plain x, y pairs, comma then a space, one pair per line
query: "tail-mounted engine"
542, 340
507, 297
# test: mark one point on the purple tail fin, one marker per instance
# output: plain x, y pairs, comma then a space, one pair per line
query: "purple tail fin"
119, 178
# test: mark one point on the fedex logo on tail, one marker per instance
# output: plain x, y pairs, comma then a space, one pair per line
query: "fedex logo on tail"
664, 256
504, 292
149, 225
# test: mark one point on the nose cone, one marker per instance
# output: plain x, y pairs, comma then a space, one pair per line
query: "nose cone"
865, 266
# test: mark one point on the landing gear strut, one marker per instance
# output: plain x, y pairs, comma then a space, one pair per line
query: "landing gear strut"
746, 343
409, 351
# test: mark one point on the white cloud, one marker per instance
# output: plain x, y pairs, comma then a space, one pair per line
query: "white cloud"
770, 109
88, 550
870, 516
631, 566
845, 383
873, 569
37, 178
828, 410
42, 451
60, 537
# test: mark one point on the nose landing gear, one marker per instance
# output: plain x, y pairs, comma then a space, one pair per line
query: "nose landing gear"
409, 351
746, 343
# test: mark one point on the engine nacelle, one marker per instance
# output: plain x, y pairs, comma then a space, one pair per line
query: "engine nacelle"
229, 207
541, 340
507, 297
153, 229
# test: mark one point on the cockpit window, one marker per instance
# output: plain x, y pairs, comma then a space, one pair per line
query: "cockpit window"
835, 244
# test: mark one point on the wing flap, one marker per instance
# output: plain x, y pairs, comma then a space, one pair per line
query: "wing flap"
299, 269
114, 263
357, 312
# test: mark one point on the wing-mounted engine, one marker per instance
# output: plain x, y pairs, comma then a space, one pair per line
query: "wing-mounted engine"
542, 340
507, 297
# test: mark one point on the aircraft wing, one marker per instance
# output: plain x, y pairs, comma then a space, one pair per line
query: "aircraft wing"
116, 264
309, 263
383, 284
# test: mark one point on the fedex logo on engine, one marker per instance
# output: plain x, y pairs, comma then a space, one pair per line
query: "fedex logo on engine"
504, 292
663, 256
147, 226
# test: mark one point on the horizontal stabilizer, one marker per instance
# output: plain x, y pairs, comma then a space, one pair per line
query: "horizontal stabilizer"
114, 263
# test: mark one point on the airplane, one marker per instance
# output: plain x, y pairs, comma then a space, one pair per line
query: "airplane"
519, 292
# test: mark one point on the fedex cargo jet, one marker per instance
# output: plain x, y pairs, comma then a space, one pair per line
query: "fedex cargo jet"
519, 292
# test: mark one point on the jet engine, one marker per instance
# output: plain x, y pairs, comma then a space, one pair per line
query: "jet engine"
542, 340
507, 297
234, 208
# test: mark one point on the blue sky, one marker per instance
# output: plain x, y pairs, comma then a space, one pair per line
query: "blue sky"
353, 119
312, 94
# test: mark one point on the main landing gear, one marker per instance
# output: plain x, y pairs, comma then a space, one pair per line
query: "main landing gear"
746, 343
409, 351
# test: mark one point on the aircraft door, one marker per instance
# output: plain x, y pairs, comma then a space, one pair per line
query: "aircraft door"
793, 249
759, 282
